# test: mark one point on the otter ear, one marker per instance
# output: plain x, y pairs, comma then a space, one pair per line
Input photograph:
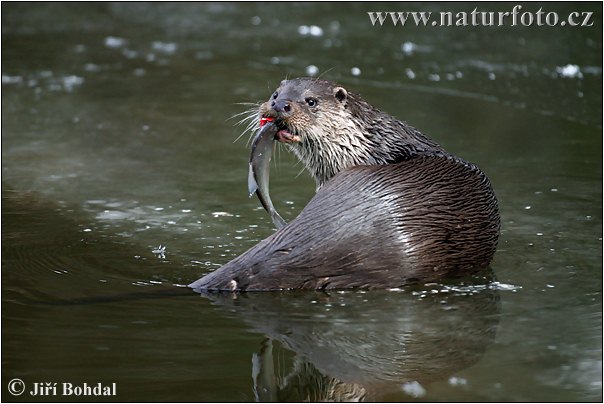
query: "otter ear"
340, 93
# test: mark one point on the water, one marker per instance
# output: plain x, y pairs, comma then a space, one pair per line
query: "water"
117, 144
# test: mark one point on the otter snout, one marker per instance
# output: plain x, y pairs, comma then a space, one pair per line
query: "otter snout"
281, 106
282, 110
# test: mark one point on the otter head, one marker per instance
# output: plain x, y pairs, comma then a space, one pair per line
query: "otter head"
314, 118
330, 129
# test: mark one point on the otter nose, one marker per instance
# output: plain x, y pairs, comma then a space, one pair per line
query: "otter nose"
281, 106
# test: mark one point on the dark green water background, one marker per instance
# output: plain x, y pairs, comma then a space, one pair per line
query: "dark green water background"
116, 139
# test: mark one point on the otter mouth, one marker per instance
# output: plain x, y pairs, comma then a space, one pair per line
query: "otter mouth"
283, 135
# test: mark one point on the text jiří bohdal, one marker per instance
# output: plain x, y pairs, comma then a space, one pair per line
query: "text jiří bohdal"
71, 389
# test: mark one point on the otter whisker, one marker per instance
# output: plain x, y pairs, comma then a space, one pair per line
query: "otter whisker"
251, 135
250, 120
251, 107
249, 129
249, 104
245, 113
324, 73
251, 115
300, 173
281, 148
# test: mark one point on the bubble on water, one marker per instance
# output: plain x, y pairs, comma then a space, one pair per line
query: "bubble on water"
569, 71
492, 76
6, 79
503, 286
129, 53
312, 30
457, 381
414, 389
434, 77
70, 82
355, 71
165, 47
315, 30
222, 214
113, 215
410, 73
303, 30
312, 70
408, 48
91, 67
256, 20
114, 42
160, 251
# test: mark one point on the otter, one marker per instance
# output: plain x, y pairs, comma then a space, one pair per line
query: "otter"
392, 206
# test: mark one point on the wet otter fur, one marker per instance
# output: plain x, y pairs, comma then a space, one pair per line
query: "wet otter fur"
392, 206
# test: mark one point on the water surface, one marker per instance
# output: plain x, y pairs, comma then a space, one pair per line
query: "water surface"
122, 176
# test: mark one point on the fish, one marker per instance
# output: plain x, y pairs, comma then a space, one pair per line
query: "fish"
259, 170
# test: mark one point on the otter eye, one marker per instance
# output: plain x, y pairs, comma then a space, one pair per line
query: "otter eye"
275, 95
311, 101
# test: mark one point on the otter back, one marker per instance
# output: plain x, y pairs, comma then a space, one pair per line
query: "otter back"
377, 226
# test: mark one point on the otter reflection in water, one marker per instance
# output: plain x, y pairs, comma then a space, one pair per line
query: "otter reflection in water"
330, 346
392, 206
